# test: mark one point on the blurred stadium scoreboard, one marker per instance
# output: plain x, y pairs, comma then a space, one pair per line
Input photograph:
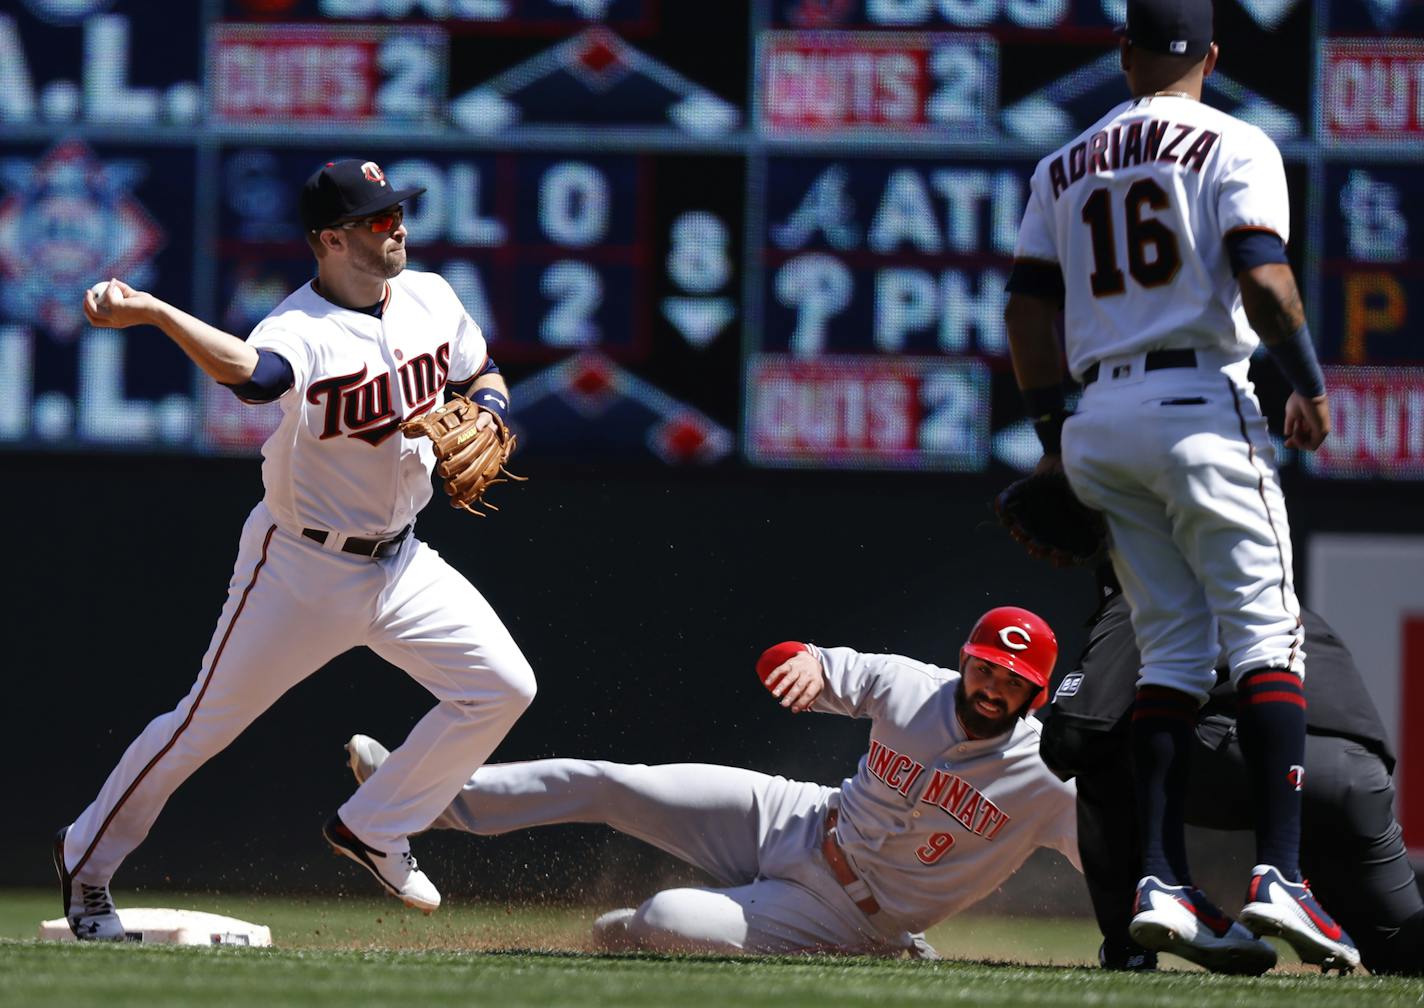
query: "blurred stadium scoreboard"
773, 231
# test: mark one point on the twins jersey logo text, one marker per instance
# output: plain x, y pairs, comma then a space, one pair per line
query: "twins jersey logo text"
365, 410
946, 791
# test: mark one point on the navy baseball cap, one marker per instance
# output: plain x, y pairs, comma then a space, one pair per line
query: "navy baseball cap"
1170, 27
344, 190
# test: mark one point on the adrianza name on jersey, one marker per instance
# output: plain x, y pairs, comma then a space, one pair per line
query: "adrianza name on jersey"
1133, 144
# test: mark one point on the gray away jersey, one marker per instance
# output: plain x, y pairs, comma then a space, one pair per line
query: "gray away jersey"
933, 821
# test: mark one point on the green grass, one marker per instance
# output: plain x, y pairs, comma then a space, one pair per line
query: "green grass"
354, 952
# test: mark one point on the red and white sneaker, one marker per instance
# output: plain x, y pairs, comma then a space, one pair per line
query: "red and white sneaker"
1182, 921
1289, 910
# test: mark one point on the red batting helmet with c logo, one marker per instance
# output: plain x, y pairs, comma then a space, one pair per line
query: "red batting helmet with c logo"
1018, 640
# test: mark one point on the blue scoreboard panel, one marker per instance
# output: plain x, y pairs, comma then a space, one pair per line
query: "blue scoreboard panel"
751, 232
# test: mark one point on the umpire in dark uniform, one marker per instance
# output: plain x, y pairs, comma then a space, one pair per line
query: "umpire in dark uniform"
1351, 846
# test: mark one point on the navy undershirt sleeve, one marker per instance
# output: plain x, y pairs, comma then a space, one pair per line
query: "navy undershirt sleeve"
271, 378
1037, 278
1248, 248
463, 387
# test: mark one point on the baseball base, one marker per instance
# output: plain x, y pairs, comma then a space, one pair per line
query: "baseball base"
156, 926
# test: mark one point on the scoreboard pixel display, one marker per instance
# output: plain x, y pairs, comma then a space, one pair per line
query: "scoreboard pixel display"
755, 232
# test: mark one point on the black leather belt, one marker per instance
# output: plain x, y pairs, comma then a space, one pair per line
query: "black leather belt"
1156, 360
365, 547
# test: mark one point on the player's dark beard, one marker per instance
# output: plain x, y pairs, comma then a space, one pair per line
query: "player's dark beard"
977, 724
378, 262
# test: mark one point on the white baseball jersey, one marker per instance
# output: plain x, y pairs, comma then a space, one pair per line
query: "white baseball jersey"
1135, 211
931, 822
338, 461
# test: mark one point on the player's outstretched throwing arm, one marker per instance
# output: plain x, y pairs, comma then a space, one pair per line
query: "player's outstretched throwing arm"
222, 356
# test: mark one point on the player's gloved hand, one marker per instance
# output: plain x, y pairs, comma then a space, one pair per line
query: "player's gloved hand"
1042, 513
792, 674
472, 445
1126, 955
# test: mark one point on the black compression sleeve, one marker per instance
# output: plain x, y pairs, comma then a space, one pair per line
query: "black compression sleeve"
1295, 356
1037, 278
270, 380
1248, 248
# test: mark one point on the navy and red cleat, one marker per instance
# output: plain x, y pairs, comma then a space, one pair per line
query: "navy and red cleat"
1182, 921
1275, 906
1125, 955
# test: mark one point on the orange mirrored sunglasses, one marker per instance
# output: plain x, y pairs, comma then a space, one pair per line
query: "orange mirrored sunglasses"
380, 223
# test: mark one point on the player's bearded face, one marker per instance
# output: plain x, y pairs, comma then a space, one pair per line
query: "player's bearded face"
379, 255
983, 714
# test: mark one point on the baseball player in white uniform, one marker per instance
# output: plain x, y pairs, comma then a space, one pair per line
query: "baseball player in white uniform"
327, 560
1160, 232
949, 800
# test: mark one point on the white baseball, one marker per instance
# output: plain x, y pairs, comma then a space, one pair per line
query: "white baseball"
98, 290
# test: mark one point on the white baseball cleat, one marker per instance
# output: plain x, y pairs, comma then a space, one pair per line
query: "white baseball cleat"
1289, 910
1180, 920
398, 872
610, 931
365, 756
89, 909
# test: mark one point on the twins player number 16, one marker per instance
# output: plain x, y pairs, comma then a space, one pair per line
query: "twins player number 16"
1143, 233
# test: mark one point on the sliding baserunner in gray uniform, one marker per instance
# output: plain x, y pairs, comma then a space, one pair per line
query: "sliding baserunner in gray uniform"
949, 800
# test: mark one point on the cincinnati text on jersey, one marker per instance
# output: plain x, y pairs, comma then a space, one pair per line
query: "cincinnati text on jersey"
947, 791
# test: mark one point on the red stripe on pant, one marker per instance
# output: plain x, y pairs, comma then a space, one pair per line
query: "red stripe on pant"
207, 680
1299, 636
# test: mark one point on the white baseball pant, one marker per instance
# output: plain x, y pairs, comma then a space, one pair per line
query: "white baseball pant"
1179, 462
291, 607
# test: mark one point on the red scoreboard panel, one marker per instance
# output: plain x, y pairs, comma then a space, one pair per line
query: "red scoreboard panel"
909, 82
284, 75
